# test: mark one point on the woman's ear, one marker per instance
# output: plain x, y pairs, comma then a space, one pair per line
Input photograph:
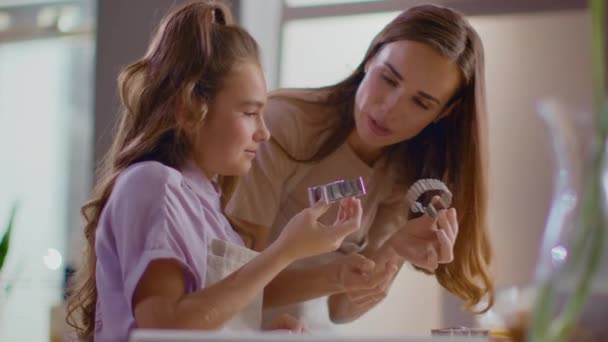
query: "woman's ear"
447, 110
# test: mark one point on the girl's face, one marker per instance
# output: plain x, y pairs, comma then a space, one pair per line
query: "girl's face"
406, 86
234, 127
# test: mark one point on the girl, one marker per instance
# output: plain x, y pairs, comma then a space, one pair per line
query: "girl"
414, 108
160, 252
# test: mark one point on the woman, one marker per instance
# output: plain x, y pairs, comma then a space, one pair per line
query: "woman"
414, 108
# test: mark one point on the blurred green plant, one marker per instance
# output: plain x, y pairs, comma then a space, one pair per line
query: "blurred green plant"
6, 237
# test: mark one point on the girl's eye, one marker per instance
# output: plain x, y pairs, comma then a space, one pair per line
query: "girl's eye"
251, 113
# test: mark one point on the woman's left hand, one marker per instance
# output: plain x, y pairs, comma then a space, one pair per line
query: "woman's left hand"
426, 242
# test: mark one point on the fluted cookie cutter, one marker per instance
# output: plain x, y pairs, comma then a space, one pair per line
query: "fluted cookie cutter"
337, 190
415, 192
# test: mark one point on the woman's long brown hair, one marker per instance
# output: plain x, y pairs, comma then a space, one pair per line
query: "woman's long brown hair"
194, 48
453, 149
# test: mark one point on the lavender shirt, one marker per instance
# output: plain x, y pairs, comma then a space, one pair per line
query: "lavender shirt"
154, 212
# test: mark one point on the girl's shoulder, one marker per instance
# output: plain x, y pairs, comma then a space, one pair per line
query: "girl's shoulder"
139, 198
148, 186
147, 176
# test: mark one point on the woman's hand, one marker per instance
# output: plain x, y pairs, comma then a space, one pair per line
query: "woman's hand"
289, 323
305, 236
362, 290
377, 286
426, 242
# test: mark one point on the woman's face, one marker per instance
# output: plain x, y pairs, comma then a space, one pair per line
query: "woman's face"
406, 87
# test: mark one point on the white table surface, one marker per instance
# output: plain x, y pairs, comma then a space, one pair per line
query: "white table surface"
202, 336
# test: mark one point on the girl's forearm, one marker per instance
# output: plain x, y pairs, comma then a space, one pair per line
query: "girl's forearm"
213, 306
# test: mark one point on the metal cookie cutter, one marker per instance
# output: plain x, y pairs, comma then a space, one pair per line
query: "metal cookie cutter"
460, 331
425, 185
335, 191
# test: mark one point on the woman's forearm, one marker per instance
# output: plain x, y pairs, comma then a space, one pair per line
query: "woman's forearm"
342, 310
385, 253
295, 285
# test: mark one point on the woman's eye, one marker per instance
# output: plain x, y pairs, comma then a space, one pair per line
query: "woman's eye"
251, 113
390, 81
421, 104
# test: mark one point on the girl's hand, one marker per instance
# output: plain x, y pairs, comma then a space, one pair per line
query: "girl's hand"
305, 236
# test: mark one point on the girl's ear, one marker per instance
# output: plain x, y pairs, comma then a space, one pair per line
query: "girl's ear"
200, 119
188, 120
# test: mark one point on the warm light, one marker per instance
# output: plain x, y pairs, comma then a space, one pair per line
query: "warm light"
559, 254
308, 3
5, 21
68, 19
47, 17
52, 259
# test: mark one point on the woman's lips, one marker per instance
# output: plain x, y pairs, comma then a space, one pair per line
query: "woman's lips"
377, 128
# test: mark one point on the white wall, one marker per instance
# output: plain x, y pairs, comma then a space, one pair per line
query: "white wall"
45, 135
528, 58
263, 21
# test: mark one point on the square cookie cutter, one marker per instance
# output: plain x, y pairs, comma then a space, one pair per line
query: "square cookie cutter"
335, 191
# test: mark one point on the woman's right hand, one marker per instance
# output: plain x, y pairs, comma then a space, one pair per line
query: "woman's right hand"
363, 283
356, 273
305, 236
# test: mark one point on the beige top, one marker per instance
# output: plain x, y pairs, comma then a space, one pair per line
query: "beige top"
275, 189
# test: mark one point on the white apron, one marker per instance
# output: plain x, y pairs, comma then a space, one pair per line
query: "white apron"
223, 258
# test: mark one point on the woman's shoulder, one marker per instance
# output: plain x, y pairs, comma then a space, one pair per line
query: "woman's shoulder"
304, 96
295, 117
307, 105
